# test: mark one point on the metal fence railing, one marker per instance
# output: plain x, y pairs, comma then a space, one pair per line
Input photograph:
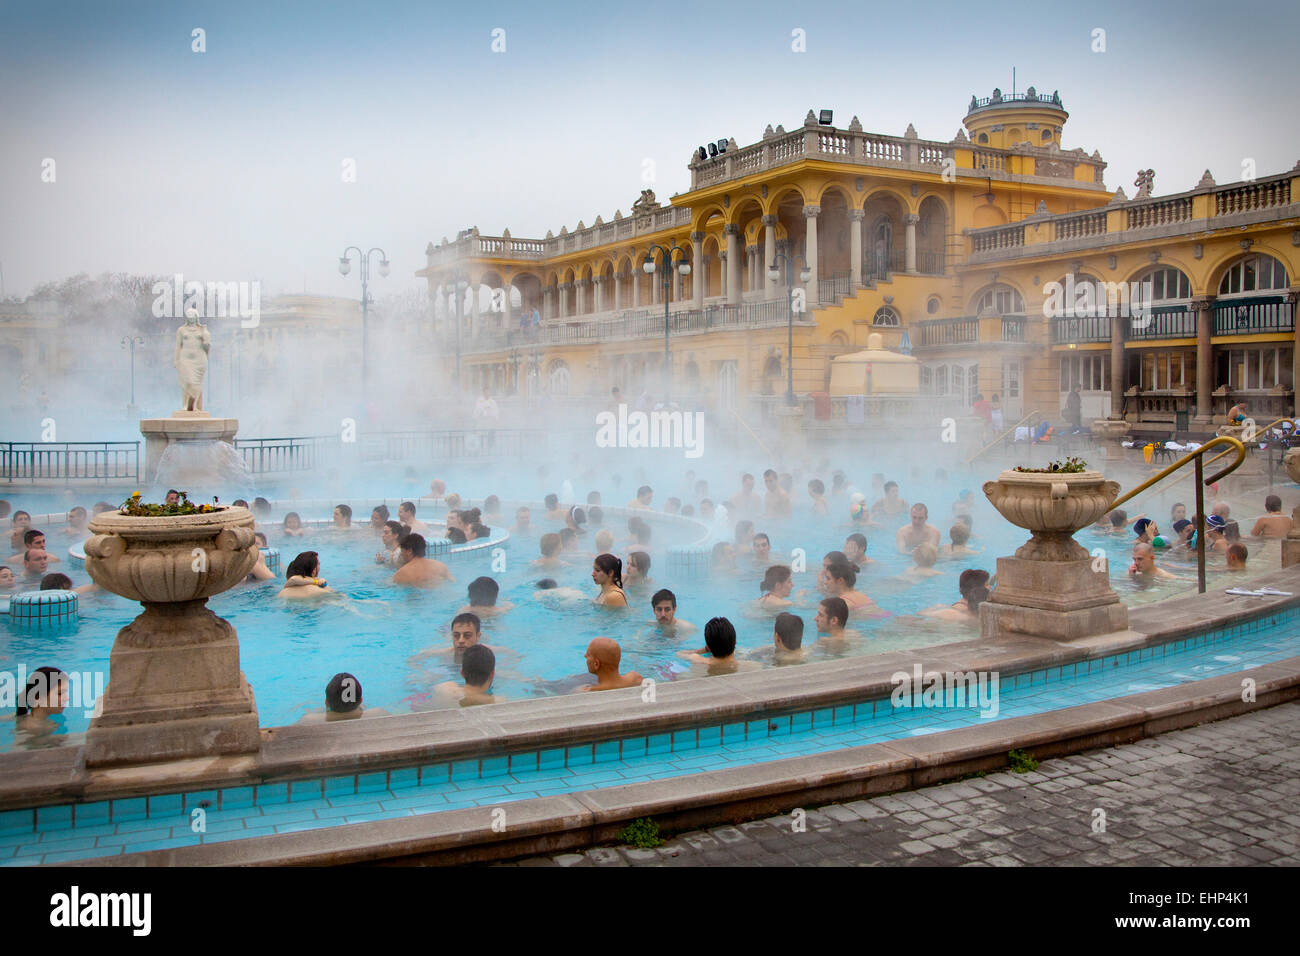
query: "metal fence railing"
100, 461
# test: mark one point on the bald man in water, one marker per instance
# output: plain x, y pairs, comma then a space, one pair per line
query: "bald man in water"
603, 658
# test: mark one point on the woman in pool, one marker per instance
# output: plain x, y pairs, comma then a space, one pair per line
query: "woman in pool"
638, 570
343, 517
302, 578
832, 557
378, 518
841, 579
607, 572
777, 584
723, 557
44, 697
293, 525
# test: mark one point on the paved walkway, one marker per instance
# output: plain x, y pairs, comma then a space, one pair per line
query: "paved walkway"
1226, 793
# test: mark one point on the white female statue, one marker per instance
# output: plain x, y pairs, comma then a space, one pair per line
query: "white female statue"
193, 341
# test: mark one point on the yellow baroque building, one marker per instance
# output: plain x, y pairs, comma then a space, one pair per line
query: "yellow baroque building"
958, 252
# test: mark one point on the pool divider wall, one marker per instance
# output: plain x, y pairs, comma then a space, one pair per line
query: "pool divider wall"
388, 743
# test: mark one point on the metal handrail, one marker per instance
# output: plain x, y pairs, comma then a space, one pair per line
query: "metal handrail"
1000, 438
1201, 481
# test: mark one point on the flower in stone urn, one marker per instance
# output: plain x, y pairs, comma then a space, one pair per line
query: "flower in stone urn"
171, 558
1052, 504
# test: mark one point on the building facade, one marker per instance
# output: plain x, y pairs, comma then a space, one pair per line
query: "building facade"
955, 251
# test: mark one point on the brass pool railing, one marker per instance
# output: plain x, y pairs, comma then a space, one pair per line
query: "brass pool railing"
1234, 445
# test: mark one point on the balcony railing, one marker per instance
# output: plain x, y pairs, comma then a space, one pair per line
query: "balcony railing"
831, 291
961, 331
1014, 328
1080, 329
1256, 315
103, 462
1178, 212
879, 265
1168, 322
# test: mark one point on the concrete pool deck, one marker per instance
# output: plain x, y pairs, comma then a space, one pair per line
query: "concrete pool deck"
546, 824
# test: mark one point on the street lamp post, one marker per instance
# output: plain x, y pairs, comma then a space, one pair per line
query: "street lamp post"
345, 266
666, 270
774, 273
131, 343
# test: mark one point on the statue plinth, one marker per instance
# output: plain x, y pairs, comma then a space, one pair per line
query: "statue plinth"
181, 426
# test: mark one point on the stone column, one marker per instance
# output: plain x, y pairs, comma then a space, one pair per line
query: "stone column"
506, 309
855, 247
548, 302
733, 264
697, 268
618, 291
1204, 308
473, 305
564, 288
909, 238
636, 284
656, 288
769, 251
810, 253
1117, 384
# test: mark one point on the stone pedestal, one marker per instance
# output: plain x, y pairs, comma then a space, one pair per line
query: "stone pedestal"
175, 690
175, 686
1056, 599
1291, 543
181, 426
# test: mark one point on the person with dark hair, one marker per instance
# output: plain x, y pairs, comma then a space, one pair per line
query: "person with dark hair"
644, 496
492, 510
552, 503
603, 659
379, 517
260, 571
390, 537
302, 578
549, 592
478, 531
607, 572
261, 509
817, 492
99, 507
343, 517
830, 558
855, 550
406, 515
483, 593
455, 536
173, 497
664, 604
746, 501
638, 570
478, 667
841, 580
5, 507
77, 521
743, 541
33, 540
523, 521
568, 540
762, 546
18, 526
973, 586
776, 502
35, 563
7, 580
832, 616
596, 516
576, 519
293, 526
43, 698
417, 570
1273, 524
722, 557
775, 589
61, 582
720, 646
918, 532
890, 504
787, 639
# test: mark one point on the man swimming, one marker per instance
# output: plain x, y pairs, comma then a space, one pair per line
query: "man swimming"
664, 604
483, 592
918, 532
603, 659
720, 645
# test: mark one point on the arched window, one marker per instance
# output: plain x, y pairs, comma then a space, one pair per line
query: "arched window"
559, 378
1254, 274
1168, 285
885, 316
999, 299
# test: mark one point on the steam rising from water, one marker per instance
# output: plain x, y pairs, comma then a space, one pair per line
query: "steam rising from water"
203, 469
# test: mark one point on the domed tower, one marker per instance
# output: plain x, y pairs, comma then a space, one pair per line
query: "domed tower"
1003, 120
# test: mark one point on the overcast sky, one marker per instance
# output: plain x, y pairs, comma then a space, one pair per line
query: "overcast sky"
227, 164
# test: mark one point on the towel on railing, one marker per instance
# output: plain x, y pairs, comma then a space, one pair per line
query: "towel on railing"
1022, 433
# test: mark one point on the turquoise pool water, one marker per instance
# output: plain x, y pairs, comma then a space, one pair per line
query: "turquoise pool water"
290, 650
109, 828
